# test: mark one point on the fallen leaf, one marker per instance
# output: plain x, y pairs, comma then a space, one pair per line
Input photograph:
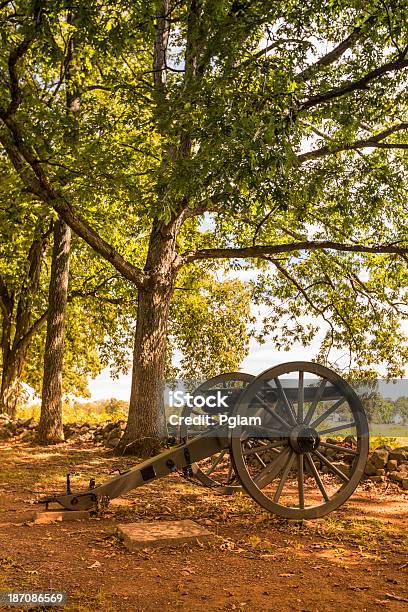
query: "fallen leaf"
254, 541
94, 565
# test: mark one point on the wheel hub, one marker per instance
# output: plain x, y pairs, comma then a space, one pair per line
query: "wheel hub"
304, 439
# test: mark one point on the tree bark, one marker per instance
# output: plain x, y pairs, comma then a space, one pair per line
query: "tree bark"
7, 304
17, 328
50, 428
10, 390
146, 427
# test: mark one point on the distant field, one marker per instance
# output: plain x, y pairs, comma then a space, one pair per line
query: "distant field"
394, 435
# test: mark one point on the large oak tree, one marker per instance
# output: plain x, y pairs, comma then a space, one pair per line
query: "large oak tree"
281, 125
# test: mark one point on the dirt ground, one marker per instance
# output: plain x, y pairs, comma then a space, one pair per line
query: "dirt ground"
354, 559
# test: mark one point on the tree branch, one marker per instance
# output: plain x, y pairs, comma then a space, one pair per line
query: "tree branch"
276, 43
160, 44
387, 12
86, 294
15, 55
24, 340
262, 250
101, 246
82, 293
335, 53
372, 142
351, 86
34, 177
5, 299
302, 290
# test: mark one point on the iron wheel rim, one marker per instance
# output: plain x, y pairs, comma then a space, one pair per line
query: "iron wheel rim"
345, 490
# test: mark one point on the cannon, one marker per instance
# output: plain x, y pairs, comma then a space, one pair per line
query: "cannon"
296, 441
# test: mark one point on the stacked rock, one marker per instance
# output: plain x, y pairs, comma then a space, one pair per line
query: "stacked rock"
386, 463
109, 433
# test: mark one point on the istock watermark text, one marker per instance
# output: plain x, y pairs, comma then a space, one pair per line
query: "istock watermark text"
205, 420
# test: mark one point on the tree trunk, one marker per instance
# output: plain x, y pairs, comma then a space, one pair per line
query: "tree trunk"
17, 328
6, 380
10, 384
50, 429
146, 427
13, 359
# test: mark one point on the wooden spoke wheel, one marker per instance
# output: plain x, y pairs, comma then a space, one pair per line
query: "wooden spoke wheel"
217, 470
307, 451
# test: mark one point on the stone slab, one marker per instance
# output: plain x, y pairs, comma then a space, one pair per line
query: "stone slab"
137, 536
50, 516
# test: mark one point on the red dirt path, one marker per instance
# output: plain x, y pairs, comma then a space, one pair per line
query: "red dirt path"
354, 559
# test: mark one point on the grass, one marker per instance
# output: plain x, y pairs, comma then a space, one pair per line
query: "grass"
76, 412
392, 435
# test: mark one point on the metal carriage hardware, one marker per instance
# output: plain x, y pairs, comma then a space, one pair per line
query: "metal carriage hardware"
303, 458
217, 470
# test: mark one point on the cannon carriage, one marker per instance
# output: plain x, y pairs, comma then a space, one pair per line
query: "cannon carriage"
301, 456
